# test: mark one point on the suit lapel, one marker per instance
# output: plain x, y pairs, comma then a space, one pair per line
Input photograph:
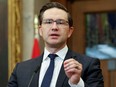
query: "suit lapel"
35, 81
62, 76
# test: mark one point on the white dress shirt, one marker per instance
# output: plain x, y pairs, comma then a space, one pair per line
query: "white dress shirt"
58, 63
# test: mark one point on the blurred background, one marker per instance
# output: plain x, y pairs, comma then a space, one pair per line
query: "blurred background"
94, 36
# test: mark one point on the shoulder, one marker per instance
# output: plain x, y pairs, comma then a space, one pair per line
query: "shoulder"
28, 64
85, 60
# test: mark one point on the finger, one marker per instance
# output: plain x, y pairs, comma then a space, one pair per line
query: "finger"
67, 61
70, 61
71, 66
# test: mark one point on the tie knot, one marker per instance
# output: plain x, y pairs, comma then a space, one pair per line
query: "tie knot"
52, 56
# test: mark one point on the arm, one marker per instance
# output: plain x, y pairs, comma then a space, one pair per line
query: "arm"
73, 70
13, 79
93, 75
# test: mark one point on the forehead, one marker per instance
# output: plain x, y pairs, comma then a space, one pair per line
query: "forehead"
55, 13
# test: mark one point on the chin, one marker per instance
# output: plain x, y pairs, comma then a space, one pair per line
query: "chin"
53, 44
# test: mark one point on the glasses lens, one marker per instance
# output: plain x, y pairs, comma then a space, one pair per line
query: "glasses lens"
59, 22
47, 21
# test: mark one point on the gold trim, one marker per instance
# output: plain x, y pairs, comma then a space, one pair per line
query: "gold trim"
14, 34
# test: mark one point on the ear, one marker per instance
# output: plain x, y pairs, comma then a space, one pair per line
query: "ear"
71, 29
40, 30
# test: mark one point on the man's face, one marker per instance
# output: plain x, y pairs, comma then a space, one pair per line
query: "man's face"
55, 29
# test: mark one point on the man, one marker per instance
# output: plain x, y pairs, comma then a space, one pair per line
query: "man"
70, 69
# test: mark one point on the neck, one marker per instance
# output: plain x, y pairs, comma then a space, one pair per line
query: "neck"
54, 49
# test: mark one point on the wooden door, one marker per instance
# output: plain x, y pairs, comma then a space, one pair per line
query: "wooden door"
78, 9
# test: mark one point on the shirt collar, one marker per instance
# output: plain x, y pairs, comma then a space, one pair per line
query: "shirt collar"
61, 53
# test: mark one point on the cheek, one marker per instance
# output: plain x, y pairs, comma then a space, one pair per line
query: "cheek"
70, 32
44, 33
66, 34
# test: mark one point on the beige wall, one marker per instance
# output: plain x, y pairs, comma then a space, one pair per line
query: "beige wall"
30, 8
38, 4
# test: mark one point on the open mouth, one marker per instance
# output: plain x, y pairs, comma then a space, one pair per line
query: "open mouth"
54, 36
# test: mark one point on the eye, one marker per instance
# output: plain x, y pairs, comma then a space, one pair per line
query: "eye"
59, 21
48, 21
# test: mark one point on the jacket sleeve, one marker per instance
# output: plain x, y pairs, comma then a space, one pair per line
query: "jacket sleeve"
93, 76
13, 79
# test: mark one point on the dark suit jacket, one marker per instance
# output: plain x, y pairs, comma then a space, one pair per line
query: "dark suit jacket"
91, 74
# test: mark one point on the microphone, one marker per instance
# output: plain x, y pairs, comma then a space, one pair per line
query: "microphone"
35, 71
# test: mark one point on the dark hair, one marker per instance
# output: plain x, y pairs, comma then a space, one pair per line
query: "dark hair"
54, 5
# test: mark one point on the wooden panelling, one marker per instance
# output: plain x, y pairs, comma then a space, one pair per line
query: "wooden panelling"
78, 11
61, 1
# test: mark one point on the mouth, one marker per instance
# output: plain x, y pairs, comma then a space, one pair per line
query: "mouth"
54, 36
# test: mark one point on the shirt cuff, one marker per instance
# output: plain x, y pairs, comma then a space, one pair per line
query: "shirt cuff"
79, 84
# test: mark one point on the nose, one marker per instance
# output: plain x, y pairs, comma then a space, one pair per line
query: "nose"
54, 26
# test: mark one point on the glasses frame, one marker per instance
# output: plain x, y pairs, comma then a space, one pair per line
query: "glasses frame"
61, 23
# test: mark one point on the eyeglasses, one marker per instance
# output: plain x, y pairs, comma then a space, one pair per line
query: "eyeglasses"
59, 22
